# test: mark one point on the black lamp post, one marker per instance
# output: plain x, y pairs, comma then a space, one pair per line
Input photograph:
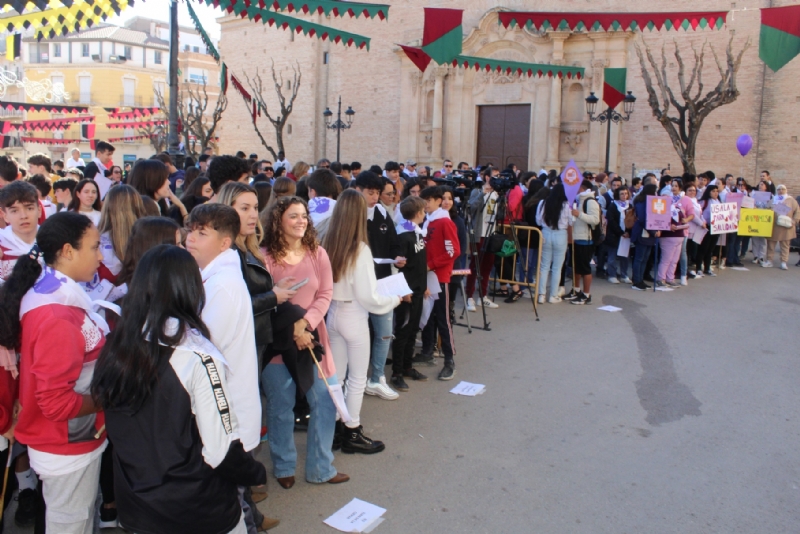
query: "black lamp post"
338, 125
609, 116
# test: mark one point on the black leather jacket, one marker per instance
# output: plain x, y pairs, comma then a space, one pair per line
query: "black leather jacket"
259, 284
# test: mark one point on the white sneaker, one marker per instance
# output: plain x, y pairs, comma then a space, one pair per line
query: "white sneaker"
471, 305
612, 280
756, 261
766, 264
561, 291
684, 282
625, 280
381, 389
783, 266
722, 265
699, 274
541, 299
489, 304
554, 300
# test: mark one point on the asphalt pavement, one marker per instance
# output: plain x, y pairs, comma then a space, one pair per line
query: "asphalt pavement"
679, 413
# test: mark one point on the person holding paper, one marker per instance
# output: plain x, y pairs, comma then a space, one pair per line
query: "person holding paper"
644, 239
760, 243
354, 298
617, 265
697, 225
784, 226
706, 249
670, 242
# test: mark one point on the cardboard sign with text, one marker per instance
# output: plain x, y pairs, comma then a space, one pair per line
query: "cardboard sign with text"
724, 218
659, 213
757, 223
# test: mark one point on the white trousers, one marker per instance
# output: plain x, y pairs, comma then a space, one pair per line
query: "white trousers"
70, 500
348, 331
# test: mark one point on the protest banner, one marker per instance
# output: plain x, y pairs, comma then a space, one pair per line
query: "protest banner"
747, 202
659, 213
763, 199
757, 223
724, 218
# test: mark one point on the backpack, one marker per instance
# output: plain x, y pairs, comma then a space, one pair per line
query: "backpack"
598, 235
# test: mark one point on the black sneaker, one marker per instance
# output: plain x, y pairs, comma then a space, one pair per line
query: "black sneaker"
108, 518
582, 299
640, 286
26, 508
399, 383
447, 373
301, 423
413, 374
356, 442
572, 295
423, 359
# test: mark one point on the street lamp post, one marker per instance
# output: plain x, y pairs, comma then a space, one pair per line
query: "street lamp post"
608, 116
338, 125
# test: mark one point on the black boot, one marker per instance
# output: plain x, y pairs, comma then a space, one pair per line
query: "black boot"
338, 436
355, 441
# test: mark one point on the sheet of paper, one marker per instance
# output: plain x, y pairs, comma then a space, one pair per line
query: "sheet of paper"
468, 389
624, 248
338, 400
665, 289
355, 516
427, 307
394, 286
739, 269
748, 202
699, 234
609, 308
433, 285
384, 261
781, 209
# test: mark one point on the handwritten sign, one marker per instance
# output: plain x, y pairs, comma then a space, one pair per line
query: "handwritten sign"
763, 199
747, 202
724, 218
659, 213
756, 222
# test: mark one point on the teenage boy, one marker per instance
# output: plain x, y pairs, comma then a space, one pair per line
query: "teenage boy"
103, 152
355, 169
213, 228
442, 248
392, 171
383, 244
585, 216
407, 315
281, 161
44, 187
63, 189
224, 169
41, 164
19, 202
175, 174
323, 189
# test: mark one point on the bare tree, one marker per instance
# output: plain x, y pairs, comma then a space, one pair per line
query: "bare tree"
683, 126
198, 125
286, 103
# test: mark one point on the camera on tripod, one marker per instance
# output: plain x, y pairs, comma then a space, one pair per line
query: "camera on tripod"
505, 182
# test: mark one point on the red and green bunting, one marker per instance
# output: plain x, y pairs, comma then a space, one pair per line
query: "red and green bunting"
542, 20
779, 41
212, 50
516, 67
247, 9
442, 34
614, 86
332, 7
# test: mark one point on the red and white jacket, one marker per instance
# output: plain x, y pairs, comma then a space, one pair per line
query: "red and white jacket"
441, 244
13, 247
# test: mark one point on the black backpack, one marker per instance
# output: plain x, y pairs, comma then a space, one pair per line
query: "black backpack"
597, 230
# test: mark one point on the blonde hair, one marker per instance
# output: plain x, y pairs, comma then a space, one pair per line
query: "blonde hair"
347, 231
227, 195
123, 206
300, 169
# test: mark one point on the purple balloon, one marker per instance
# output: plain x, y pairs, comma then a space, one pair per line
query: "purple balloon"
743, 144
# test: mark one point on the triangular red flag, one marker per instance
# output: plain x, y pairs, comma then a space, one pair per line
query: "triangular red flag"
417, 56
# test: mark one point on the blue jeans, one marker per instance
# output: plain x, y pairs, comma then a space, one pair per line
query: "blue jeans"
616, 266
382, 329
640, 262
280, 390
684, 261
554, 249
529, 255
732, 252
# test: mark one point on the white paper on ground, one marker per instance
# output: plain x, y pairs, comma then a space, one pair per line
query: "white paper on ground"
337, 395
433, 285
468, 389
665, 289
383, 261
427, 307
624, 248
739, 268
355, 516
609, 308
393, 286
699, 234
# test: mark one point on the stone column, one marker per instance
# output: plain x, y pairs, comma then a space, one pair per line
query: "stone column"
438, 112
554, 119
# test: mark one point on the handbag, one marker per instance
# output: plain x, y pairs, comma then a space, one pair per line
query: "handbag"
630, 218
500, 245
785, 221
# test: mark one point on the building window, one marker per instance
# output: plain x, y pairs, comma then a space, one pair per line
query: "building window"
84, 49
56, 49
198, 77
128, 52
185, 48
85, 85
196, 49
158, 57
324, 58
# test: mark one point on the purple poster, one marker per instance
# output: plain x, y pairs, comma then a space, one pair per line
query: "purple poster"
659, 213
571, 177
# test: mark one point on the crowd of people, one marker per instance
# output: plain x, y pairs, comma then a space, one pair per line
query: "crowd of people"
158, 324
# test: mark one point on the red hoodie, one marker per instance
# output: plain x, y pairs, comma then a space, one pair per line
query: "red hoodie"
8, 394
60, 345
442, 246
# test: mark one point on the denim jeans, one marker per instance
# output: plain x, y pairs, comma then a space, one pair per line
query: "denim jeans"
684, 261
640, 262
529, 255
382, 328
732, 249
280, 391
616, 266
554, 249
348, 330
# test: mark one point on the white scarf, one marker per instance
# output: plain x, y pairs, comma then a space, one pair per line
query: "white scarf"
777, 199
622, 205
13, 244
54, 287
110, 259
320, 208
193, 341
371, 211
404, 225
436, 215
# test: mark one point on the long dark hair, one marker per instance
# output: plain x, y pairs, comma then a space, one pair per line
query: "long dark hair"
707, 194
166, 285
649, 189
553, 205
147, 233
75, 205
58, 230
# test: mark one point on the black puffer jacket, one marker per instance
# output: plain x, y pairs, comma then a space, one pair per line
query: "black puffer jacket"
259, 284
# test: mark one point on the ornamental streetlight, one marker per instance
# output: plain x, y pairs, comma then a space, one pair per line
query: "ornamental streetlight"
338, 124
609, 116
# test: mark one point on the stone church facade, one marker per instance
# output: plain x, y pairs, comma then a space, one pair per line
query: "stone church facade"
479, 117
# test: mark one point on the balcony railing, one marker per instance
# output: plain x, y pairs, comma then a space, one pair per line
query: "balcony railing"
130, 101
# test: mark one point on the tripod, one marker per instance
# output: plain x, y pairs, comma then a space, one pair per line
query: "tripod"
477, 257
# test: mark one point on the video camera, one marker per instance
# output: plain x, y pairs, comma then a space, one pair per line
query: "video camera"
505, 182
